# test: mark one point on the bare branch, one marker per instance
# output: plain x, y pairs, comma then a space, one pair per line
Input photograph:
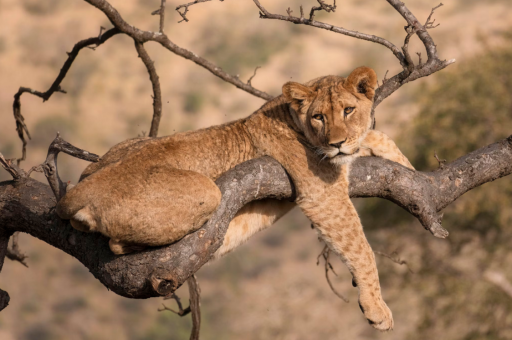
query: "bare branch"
325, 254
395, 258
50, 165
254, 75
323, 7
498, 279
181, 311
21, 128
155, 82
430, 24
161, 13
15, 254
195, 293
440, 161
194, 306
264, 14
144, 36
12, 169
183, 13
410, 71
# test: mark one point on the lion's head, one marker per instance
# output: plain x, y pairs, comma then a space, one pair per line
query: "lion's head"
334, 113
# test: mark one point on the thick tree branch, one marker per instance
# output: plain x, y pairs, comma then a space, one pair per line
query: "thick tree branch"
27, 205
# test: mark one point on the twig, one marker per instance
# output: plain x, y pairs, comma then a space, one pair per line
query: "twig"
194, 306
325, 254
21, 127
394, 257
12, 169
181, 311
155, 82
161, 13
430, 24
145, 36
50, 165
186, 6
14, 253
264, 14
323, 6
195, 293
420, 63
254, 75
499, 280
440, 161
385, 79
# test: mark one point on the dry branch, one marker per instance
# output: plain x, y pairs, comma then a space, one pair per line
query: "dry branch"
155, 82
161, 13
14, 253
183, 13
328, 266
410, 71
21, 128
145, 36
499, 280
28, 206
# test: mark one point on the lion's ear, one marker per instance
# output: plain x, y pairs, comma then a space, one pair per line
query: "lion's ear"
362, 80
292, 90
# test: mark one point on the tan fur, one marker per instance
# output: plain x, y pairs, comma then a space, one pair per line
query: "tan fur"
155, 191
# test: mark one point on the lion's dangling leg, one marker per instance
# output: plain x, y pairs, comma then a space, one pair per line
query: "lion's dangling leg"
342, 231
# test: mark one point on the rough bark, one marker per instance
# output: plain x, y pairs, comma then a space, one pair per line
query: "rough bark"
27, 205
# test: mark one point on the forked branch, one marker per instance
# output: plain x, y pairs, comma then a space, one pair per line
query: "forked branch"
410, 71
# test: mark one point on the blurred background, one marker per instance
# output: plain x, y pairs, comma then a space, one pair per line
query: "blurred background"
270, 288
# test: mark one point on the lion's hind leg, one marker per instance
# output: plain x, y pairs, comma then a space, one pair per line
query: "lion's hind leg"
154, 206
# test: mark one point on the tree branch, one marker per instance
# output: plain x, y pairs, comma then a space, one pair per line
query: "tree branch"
28, 206
161, 13
15, 254
155, 82
264, 14
195, 293
21, 128
183, 14
410, 71
145, 36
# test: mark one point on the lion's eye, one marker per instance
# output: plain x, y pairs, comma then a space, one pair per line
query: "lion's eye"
319, 117
348, 110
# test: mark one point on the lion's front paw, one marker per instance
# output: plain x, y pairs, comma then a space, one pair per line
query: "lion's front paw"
377, 313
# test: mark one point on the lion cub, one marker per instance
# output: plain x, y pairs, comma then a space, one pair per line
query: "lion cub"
152, 192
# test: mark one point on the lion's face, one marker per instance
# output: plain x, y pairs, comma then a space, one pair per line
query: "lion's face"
334, 113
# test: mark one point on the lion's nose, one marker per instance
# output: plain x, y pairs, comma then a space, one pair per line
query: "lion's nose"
338, 145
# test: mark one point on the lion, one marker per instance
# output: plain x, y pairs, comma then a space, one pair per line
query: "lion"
153, 192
